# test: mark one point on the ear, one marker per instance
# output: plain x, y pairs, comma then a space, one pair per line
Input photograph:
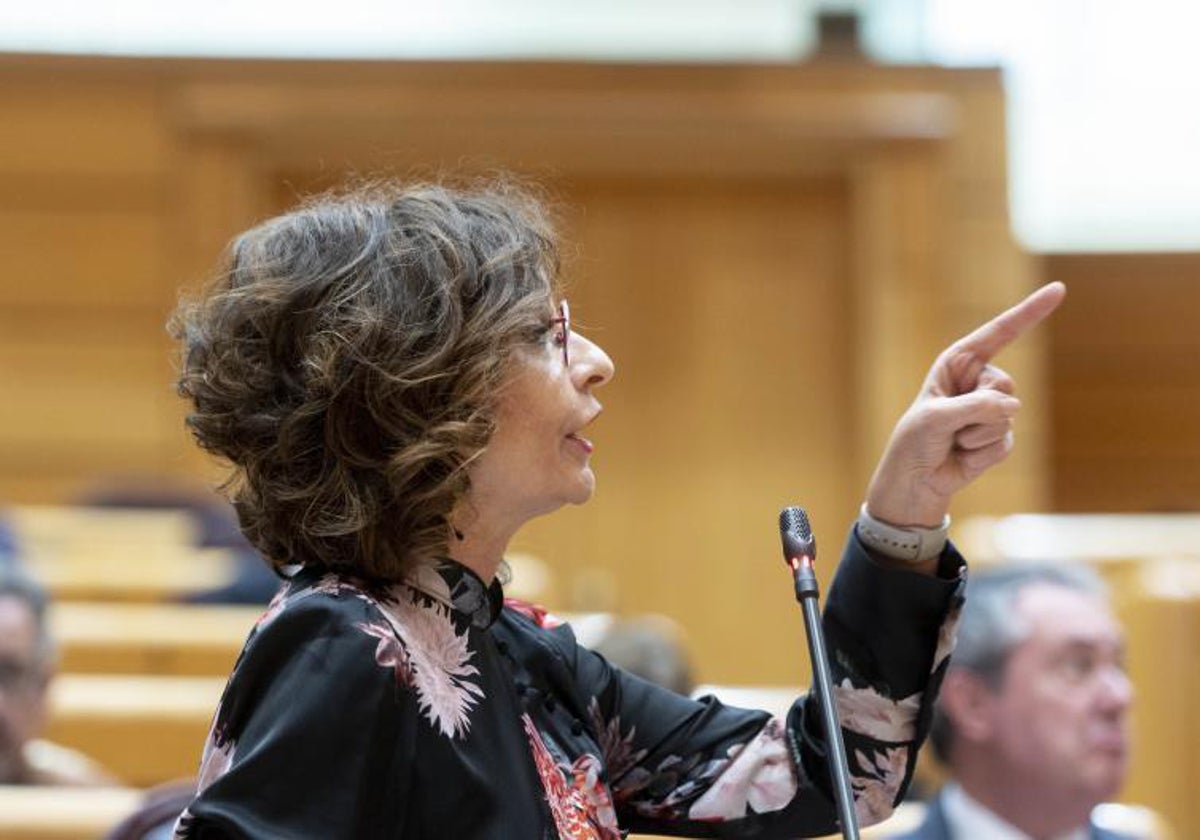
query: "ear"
968, 702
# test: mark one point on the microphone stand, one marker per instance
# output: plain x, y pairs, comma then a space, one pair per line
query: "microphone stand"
799, 551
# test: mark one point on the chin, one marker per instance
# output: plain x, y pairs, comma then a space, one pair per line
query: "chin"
1107, 778
584, 491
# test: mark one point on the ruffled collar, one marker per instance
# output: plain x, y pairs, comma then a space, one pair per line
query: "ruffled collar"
460, 589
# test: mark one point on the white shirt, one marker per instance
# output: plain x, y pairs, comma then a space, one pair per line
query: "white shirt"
967, 818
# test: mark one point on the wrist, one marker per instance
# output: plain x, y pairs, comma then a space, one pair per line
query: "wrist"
908, 543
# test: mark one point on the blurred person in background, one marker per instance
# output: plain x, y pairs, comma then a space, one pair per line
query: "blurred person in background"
8, 543
1032, 720
396, 383
652, 647
215, 525
26, 669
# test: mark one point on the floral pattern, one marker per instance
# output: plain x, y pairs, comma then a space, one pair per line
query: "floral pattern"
869, 713
947, 635
877, 780
540, 615
417, 686
578, 799
215, 762
760, 778
620, 756
432, 658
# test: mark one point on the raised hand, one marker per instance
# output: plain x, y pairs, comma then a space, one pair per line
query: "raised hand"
960, 423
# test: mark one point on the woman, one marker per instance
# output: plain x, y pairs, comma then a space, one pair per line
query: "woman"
399, 390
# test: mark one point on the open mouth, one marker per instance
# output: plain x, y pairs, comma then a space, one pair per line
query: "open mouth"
585, 444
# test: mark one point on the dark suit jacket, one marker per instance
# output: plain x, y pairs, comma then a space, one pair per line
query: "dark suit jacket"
934, 827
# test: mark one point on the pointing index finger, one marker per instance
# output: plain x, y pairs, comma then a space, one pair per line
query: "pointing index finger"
988, 340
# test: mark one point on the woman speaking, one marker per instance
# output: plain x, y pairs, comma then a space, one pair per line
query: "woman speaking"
398, 388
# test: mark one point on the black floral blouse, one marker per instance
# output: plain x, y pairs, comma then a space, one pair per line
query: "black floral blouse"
436, 709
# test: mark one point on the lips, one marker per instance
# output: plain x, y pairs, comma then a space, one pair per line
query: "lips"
583, 442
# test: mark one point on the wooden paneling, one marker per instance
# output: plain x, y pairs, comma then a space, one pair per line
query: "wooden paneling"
57, 813
86, 281
63, 119
1126, 398
725, 404
106, 717
771, 253
89, 258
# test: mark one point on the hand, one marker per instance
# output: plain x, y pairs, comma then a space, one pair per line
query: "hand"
960, 423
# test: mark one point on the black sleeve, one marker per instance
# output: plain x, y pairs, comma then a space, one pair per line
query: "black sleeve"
697, 768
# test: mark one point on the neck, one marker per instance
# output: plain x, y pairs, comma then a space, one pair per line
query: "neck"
1037, 810
482, 545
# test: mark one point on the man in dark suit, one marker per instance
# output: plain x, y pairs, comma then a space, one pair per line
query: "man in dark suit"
1032, 719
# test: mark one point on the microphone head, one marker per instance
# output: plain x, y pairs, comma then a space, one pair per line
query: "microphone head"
797, 535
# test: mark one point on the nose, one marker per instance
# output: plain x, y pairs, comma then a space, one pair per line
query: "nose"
591, 367
1116, 689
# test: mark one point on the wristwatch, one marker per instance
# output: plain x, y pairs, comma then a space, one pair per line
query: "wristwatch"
912, 543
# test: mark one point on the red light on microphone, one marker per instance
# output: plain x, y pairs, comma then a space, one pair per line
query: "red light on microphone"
797, 562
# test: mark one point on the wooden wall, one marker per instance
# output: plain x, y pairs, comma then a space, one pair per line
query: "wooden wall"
1125, 364
772, 254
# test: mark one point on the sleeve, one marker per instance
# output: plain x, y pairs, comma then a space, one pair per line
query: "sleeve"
308, 695
697, 768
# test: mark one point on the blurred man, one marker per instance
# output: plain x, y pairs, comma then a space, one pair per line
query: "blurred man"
26, 666
1032, 719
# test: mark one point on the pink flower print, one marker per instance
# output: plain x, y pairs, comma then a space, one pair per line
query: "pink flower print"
541, 617
876, 783
438, 663
215, 761
617, 749
760, 778
868, 712
429, 580
578, 800
947, 636
389, 652
273, 609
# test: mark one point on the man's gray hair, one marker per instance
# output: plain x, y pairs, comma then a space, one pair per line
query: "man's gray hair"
991, 628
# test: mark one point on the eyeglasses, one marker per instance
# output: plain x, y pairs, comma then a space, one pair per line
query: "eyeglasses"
564, 337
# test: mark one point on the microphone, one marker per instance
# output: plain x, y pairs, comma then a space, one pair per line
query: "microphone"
800, 553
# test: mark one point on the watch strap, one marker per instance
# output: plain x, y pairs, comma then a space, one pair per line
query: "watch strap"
911, 543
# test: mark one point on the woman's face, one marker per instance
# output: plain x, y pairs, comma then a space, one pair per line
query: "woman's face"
538, 457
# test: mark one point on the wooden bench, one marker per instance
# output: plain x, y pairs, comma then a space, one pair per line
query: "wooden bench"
143, 638
116, 554
55, 813
145, 729
121, 572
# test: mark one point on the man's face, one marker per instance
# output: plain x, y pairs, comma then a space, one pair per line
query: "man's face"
1060, 715
23, 678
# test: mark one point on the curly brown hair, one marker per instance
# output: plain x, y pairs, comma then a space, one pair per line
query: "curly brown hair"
346, 360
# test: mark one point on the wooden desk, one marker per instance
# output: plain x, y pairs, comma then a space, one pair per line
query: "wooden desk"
55, 813
131, 572
156, 639
123, 554
55, 529
146, 730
